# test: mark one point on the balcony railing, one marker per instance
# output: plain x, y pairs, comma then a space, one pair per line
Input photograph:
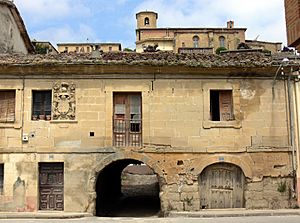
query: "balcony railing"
127, 132
206, 50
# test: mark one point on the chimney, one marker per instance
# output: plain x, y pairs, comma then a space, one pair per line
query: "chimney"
230, 24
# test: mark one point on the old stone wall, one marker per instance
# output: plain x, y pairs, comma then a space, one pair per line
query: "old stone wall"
175, 115
179, 181
11, 40
179, 139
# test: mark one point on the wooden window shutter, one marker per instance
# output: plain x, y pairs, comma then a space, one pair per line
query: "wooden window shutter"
7, 106
226, 108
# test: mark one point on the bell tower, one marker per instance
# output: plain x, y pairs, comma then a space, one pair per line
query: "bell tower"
146, 19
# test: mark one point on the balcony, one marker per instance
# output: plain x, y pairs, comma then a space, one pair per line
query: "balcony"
205, 50
127, 132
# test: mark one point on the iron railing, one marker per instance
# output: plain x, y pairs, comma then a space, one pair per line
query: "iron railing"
127, 132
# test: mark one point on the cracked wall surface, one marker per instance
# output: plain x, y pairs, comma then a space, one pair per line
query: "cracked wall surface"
179, 140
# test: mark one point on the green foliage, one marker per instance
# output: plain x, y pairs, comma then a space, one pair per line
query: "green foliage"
218, 50
127, 50
189, 200
41, 49
267, 52
281, 187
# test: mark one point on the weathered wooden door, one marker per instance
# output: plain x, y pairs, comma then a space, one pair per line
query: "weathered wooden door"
51, 186
225, 101
221, 186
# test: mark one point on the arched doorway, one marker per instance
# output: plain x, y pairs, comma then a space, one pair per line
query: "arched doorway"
221, 186
127, 188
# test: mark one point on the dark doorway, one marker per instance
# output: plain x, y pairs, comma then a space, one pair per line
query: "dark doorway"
127, 188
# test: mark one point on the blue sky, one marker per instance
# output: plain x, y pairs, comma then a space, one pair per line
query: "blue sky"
114, 20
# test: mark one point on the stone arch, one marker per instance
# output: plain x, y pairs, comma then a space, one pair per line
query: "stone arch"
122, 156
220, 158
115, 158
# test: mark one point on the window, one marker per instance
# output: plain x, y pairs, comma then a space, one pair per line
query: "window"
183, 44
77, 49
66, 49
82, 50
196, 41
222, 41
7, 106
110, 49
41, 106
221, 108
127, 119
88, 49
1, 177
147, 21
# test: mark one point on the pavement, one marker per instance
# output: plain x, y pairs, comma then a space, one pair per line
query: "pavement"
213, 213
199, 214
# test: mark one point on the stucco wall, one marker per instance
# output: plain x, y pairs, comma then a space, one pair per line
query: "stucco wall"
11, 40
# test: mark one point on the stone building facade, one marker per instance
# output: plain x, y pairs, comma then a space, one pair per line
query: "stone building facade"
212, 128
292, 16
88, 47
192, 40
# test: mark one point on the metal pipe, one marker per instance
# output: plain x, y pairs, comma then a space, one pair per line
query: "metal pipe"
292, 127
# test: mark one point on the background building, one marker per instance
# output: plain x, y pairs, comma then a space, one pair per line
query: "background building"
88, 47
44, 47
292, 15
192, 40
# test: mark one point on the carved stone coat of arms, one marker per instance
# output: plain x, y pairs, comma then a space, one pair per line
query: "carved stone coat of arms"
64, 101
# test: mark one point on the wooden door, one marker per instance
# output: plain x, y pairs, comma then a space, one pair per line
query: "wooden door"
221, 186
51, 186
225, 102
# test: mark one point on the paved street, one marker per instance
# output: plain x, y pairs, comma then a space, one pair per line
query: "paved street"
255, 219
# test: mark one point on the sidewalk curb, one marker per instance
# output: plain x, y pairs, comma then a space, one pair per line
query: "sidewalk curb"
232, 213
35, 215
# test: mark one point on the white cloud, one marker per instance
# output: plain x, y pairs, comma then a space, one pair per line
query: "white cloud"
66, 34
41, 10
264, 18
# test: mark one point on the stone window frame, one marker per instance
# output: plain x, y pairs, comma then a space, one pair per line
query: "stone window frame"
49, 118
207, 122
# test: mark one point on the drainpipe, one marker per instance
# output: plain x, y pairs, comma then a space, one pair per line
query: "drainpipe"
297, 101
292, 126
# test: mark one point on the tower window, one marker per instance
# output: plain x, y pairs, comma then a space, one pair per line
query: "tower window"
147, 21
222, 41
196, 41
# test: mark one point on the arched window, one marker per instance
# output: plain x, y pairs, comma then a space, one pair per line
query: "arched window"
196, 41
147, 21
222, 41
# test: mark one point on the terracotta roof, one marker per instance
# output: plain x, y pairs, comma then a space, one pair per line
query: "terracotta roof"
152, 59
19, 21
